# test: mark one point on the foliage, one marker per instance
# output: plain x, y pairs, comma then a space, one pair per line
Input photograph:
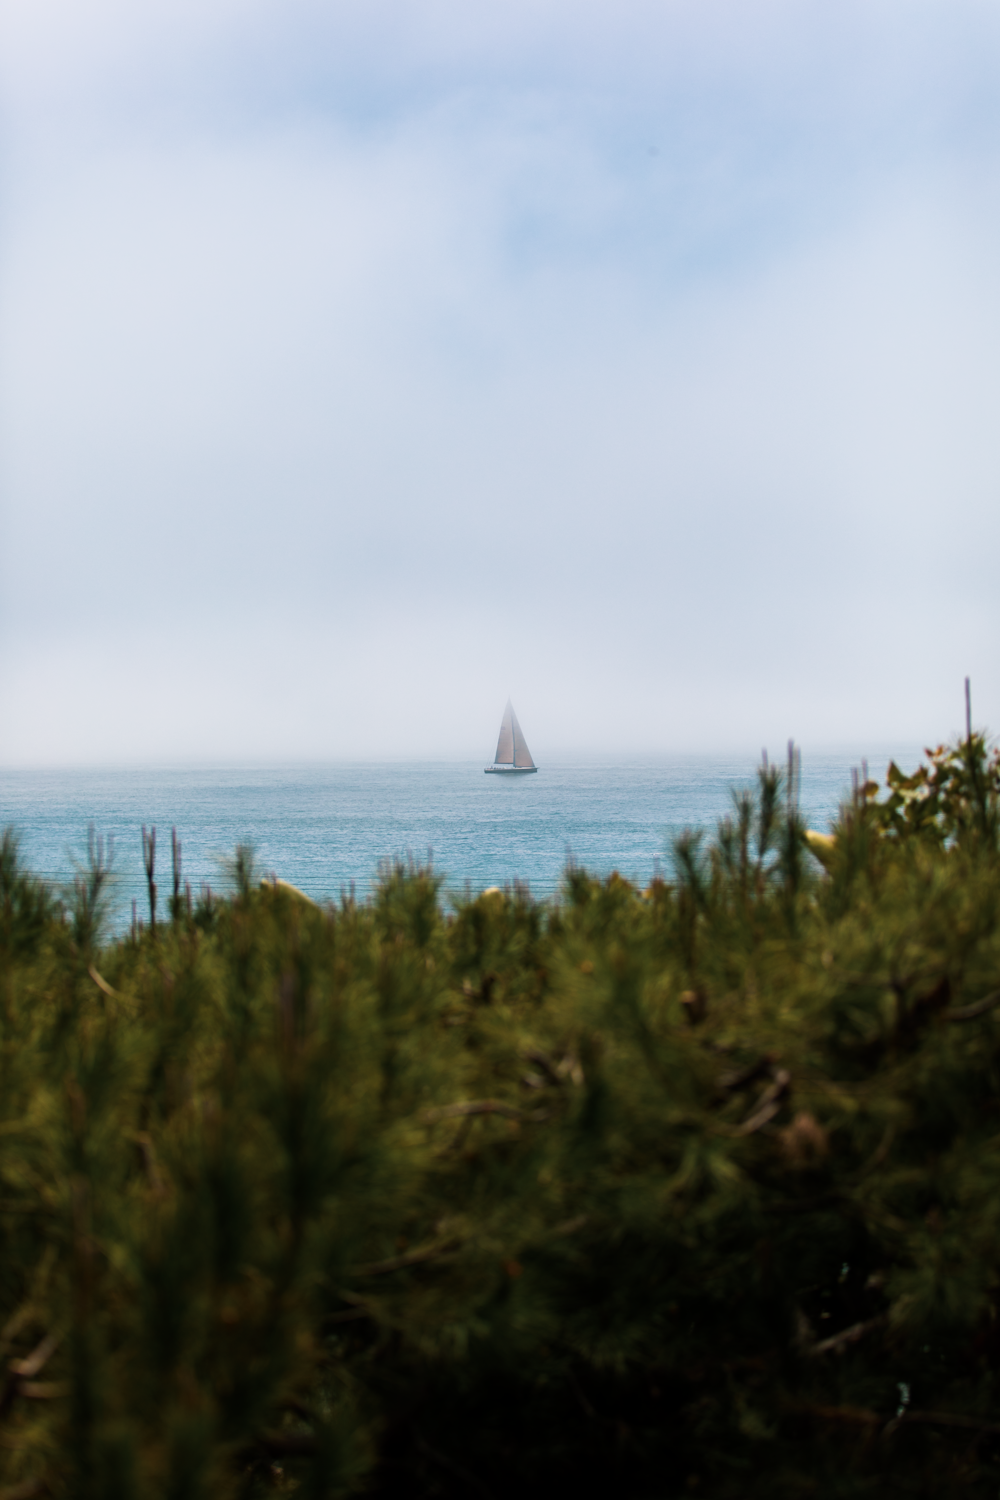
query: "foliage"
691, 1190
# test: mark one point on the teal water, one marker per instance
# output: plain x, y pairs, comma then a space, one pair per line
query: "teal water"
327, 828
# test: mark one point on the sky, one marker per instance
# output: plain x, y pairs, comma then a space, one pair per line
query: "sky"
363, 362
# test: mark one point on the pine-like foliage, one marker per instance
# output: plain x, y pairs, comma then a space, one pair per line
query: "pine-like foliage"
687, 1191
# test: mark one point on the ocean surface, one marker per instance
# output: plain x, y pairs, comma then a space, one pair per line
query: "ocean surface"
328, 828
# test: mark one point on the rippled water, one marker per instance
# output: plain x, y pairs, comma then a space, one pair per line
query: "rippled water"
327, 827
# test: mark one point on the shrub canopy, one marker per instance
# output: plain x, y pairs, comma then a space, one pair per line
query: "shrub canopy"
690, 1190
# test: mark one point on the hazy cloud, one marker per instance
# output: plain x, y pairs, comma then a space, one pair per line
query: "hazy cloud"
363, 364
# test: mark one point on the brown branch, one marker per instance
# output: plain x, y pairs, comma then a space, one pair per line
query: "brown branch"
288, 1444
970, 1012
768, 1104
856, 1415
39, 1357
838, 1342
352, 1315
410, 1258
572, 1225
586, 1404
28, 1489
544, 1061
21, 1371
449, 1464
881, 1151
482, 1107
943, 1419
102, 984
147, 1151
805, 1205
729, 1083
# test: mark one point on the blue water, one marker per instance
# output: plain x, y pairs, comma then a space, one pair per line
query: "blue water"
326, 828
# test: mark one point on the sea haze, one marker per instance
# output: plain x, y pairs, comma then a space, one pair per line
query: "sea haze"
328, 828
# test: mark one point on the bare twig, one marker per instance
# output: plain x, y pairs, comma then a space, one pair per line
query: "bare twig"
942, 1419
544, 1061
805, 1205
288, 1444
102, 984
855, 1415
149, 1164
409, 1258
586, 1404
482, 1107
728, 1083
350, 1315
970, 1012
22, 1371
18, 1320
572, 1225
881, 1151
450, 1465
838, 1342
768, 1104
39, 1357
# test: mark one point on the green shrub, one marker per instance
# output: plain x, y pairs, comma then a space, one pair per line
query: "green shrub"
691, 1190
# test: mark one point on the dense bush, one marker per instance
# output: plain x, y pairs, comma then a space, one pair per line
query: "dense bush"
687, 1191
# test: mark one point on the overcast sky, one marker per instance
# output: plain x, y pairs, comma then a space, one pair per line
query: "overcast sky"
364, 361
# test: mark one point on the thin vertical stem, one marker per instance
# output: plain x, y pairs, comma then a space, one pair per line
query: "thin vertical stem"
175, 854
149, 860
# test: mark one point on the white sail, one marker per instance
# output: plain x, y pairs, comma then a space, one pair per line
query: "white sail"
505, 744
522, 755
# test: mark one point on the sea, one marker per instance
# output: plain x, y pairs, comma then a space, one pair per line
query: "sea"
329, 829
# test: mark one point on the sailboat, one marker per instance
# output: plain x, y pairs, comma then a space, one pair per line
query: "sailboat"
513, 758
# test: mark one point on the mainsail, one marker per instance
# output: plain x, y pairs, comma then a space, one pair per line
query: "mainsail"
505, 744
512, 749
522, 755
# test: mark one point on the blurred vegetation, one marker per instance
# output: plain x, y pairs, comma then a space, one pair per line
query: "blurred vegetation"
685, 1191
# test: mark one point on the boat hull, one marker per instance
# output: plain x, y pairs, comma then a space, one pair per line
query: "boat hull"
510, 770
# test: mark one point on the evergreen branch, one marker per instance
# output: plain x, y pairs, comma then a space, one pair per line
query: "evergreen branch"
970, 1012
